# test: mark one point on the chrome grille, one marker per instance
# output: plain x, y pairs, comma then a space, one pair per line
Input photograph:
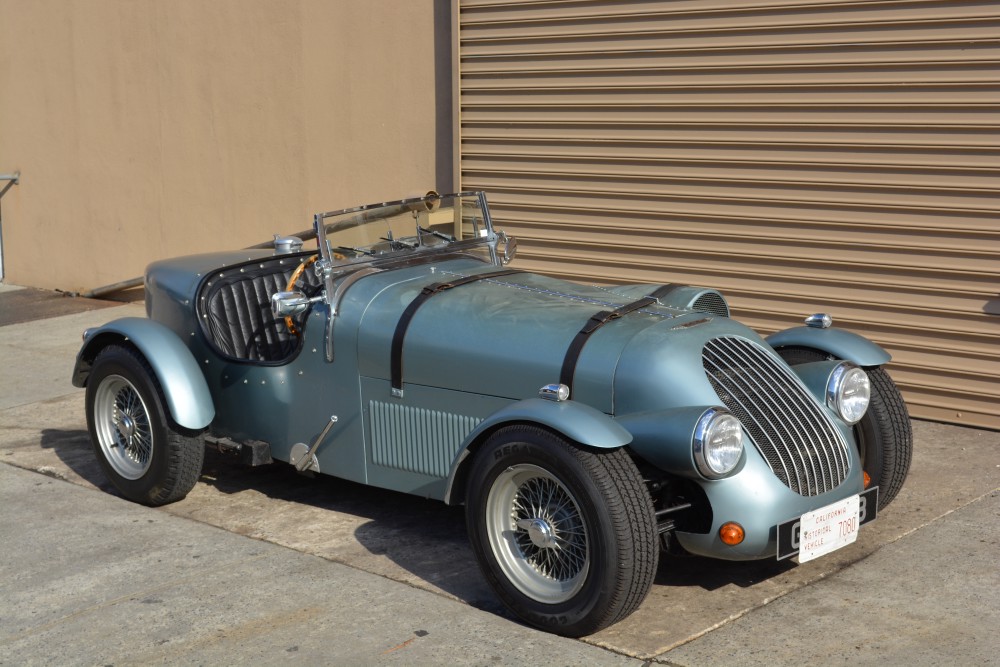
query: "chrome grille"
794, 435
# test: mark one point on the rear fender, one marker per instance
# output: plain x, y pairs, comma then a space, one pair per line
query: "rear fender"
838, 343
182, 381
577, 421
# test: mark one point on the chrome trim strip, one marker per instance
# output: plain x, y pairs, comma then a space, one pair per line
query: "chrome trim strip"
338, 296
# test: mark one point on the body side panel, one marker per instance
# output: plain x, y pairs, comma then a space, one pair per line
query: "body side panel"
290, 403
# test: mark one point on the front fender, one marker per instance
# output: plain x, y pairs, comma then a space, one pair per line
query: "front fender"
182, 381
577, 421
837, 342
665, 438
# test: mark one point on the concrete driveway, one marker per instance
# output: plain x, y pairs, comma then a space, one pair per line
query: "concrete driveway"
919, 587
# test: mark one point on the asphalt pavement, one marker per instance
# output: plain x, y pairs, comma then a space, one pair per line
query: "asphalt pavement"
262, 565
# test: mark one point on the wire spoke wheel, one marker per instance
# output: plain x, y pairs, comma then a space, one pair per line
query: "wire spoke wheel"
565, 535
139, 450
537, 534
123, 428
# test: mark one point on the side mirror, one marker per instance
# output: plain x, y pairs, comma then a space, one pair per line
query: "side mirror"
509, 245
287, 304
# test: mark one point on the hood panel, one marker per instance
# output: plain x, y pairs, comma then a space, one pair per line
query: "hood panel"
508, 336
662, 365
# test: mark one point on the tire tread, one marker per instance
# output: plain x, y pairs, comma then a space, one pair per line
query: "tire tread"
634, 513
894, 419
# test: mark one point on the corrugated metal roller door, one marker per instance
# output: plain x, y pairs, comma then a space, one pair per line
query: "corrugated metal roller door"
800, 156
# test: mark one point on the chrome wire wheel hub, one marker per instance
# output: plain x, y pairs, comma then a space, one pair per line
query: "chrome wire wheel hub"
123, 429
537, 534
126, 427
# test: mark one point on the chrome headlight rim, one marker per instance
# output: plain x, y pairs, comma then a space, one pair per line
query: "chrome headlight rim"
703, 442
843, 377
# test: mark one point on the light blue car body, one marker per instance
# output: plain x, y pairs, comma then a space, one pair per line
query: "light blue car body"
474, 359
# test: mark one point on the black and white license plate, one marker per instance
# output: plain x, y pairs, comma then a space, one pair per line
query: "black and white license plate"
827, 529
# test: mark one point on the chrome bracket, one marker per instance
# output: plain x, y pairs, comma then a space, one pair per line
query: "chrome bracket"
323, 269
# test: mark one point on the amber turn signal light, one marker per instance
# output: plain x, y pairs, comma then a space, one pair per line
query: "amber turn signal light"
868, 479
731, 533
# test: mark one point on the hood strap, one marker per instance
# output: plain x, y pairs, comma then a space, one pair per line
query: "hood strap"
396, 360
593, 324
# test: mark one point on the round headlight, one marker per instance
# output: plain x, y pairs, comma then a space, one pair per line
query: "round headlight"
718, 443
848, 392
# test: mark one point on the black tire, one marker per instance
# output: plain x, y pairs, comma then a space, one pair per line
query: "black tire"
884, 434
580, 558
142, 455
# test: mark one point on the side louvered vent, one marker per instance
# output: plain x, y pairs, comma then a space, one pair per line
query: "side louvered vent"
416, 439
794, 435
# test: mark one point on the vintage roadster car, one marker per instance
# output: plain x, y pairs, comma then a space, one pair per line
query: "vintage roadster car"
585, 428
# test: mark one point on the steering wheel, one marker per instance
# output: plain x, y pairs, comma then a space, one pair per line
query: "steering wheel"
296, 274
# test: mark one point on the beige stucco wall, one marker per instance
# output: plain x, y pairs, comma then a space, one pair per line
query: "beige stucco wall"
145, 129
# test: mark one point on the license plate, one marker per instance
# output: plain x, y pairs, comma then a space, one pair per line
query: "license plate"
827, 529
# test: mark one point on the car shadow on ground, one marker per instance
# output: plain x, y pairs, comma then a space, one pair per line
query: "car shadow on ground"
711, 574
429, 539
73, 448
425, 538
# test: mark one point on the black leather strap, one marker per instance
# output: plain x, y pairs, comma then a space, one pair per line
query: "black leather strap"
598, 321
396, 361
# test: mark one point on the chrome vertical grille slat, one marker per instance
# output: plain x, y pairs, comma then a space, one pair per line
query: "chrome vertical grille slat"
759, 432
807, 427
794, 435
765, 384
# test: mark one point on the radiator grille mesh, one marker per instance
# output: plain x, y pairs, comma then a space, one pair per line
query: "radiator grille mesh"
711, 302
794, 435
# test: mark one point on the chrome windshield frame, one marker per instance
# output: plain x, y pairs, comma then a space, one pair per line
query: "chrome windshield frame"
334, 270
393, 208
